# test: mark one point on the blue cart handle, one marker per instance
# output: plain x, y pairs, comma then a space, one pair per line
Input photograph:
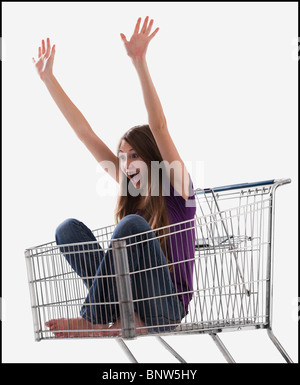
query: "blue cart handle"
245, 185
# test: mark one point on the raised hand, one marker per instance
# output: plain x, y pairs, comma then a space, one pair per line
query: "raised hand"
44, 63
137, 46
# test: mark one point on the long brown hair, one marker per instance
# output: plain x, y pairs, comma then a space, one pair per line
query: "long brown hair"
154, 207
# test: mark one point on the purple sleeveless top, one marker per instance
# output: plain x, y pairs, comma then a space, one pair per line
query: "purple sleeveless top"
181, 241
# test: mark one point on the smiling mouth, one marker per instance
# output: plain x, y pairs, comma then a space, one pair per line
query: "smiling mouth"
134, 177
130, 175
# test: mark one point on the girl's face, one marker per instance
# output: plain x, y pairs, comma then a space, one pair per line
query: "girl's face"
132, 165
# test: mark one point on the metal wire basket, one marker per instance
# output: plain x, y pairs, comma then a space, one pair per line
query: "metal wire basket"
233, 233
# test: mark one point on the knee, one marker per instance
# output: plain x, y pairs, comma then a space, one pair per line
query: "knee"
134, 222
131, 224
64, 231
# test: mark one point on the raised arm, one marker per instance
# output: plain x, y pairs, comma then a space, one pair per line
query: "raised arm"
44, 67
136, 49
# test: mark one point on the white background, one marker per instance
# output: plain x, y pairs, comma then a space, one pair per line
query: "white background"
226, 74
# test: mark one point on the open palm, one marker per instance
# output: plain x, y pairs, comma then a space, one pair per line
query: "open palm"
44, 63
137, 46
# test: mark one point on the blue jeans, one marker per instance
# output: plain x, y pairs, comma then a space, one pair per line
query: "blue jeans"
91, 261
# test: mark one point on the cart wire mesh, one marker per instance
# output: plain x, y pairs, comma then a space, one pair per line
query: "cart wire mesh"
232, 234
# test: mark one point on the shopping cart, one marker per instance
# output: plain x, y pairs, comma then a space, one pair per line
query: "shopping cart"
233, 235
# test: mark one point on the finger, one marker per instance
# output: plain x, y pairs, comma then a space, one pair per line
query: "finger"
137, 27
145, 25
33, 60
48, 48
40, 52
52, 51
148, 30
123, 37
43, 47
153, 34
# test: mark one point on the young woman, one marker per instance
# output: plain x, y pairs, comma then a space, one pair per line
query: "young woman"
157, 191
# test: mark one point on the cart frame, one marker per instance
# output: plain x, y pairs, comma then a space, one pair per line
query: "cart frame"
119, 250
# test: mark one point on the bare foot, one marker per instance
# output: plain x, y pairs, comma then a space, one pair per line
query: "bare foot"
139, 325
74, 327
79, 327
